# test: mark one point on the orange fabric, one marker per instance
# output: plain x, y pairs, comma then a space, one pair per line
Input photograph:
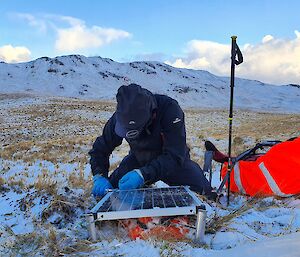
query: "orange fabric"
175, 230
282, 162
135, 232
166, 233
145, 220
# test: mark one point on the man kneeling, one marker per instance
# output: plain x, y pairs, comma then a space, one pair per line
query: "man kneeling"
154, 127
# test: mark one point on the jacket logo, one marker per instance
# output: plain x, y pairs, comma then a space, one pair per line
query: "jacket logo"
131, 122
176, 120
132, 134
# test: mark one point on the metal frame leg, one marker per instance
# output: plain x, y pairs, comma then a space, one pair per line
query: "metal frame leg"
200, 226
92, 227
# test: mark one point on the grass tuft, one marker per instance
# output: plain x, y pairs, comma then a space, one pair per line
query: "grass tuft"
218, 222
46, 184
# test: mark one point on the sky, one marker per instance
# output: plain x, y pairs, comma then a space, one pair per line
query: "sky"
191, 34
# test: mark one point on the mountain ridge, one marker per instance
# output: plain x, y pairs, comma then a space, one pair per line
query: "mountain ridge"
99, 78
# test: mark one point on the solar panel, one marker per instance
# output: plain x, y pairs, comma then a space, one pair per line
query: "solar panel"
148, 202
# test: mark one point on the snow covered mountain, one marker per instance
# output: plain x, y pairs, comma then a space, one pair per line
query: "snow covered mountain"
99, 78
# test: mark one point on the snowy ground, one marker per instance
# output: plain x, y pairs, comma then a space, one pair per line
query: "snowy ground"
45, 184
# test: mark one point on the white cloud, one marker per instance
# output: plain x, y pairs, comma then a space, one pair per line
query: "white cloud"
8, 53
204, 55
78, 36
73, 34
273, 60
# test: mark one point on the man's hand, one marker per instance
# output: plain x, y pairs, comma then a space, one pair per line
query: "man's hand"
132, 180
101, 184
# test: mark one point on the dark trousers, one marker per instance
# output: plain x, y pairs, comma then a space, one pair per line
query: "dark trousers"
189, 175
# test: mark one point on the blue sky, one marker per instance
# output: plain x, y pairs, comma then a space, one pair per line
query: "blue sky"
175, 32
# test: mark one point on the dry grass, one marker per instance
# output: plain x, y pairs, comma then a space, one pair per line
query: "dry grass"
56, 129
49, 150
17, 183
2, 182
64, 129
14, 96
279, 126
218, 222
45, 243
3, 188
27, 244
76, 179
45, 184
168, 249
65, 206
256, 126
80, 246
53, 244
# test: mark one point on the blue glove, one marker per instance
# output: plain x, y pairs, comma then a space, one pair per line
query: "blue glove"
101, 184
132, 180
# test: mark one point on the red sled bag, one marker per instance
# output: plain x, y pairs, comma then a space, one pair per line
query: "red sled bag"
277, 172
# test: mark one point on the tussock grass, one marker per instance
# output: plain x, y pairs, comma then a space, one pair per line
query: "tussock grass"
216, 223
80, 246
17, 183
169, 249
2, 182
26, 245
76, 179
3, 188
45, 184
47, 243
59, 204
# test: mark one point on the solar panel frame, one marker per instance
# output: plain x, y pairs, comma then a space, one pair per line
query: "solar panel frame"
137, 203
125, 210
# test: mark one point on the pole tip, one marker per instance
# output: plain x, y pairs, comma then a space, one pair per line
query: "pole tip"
233, 37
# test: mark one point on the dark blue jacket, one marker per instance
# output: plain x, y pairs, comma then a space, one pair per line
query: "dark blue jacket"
160, 149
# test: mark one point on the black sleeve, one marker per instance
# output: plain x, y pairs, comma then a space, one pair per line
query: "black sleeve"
174, 145
103, 147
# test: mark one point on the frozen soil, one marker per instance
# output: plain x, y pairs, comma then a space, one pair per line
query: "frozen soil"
45, 180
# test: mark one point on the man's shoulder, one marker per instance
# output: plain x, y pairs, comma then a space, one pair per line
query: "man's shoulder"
164, 100
167, 107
